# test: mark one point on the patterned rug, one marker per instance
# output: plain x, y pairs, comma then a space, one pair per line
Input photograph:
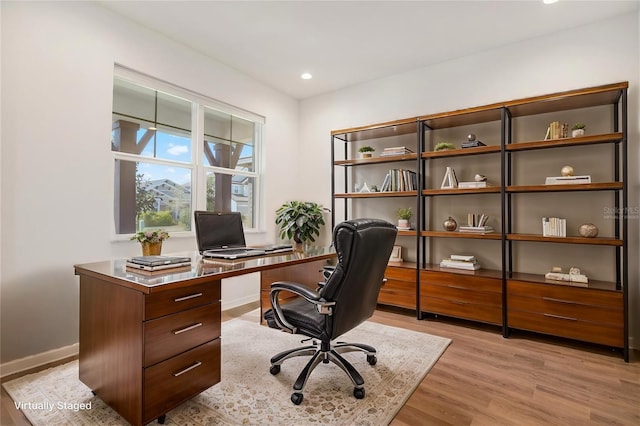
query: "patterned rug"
248, 394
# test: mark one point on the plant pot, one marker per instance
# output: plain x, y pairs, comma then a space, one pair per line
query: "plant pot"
577, 133
403, 223
298, 247
151, 249
366, 155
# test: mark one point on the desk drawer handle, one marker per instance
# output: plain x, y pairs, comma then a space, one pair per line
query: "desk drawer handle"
191, 327
196, 365
191, 296
561, 317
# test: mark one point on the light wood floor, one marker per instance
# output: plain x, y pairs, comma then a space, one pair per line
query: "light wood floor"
485, 379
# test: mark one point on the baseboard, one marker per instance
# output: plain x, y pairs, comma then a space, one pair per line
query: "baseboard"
32, 361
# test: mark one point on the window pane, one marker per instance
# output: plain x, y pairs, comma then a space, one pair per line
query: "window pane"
229, 141
233, 193
151, 196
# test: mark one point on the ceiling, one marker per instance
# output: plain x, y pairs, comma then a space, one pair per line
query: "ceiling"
343, 43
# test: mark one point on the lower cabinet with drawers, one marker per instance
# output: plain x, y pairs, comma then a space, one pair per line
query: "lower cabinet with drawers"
146, 353
470, 297
586, 314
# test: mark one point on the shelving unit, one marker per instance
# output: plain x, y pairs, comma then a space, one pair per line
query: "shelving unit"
402, 278
510, 291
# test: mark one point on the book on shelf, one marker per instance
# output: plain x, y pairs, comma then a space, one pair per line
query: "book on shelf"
567, 180
472, 144
469, 265
463, 257
400, 180
554, 227
474, 184
396, 150
475, 220
486, 229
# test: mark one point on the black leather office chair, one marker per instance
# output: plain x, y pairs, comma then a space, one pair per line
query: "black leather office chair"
347, 298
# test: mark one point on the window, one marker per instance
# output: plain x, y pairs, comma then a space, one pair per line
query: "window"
164, 169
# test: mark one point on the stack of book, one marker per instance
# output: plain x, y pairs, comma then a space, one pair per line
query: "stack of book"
400, 180
149, 265
396, 150
460, 261
477, 229
472, 144
554, 227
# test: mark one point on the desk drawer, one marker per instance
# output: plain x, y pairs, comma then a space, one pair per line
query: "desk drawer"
173, 334
170, 383
170, 301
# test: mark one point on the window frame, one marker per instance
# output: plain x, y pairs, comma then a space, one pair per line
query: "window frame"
197, 164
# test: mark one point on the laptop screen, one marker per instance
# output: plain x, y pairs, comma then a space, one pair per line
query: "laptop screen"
216, 230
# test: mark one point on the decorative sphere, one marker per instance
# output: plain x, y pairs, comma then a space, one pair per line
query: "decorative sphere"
567, 171
450, 224
471, 137
588, 230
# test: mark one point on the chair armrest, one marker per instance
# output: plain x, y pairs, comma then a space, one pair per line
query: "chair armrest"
310, 296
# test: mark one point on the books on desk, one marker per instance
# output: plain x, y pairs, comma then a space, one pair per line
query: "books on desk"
157, 263
173, 269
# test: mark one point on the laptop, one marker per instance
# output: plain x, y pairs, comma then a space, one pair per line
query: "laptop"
220, 235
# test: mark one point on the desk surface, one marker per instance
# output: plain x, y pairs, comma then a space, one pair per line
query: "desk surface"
115, 271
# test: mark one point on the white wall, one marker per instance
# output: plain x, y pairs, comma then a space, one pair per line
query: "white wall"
57, 77
601, 53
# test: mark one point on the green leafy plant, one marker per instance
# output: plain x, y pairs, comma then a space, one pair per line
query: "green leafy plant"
444, 145
300, 221
404, 213
151, 236
578, 126
366, 148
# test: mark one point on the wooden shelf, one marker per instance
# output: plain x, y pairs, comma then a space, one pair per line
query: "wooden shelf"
463, 117
459, 191
407, 232
602, 186
377, 194
486, 273
602, 241
489, 149
376, 160
378, 131
559, 143
536, 278
457, 234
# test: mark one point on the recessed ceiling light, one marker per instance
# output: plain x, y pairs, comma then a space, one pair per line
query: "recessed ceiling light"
549, 1
306, 76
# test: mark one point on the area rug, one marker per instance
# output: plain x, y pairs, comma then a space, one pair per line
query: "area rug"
248, 394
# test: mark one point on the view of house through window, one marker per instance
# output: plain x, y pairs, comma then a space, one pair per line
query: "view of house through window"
160, 176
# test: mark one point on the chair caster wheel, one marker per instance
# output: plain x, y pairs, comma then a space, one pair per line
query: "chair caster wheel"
275, 369
372, 359
94, 393
358, 393
297, 398
162, 419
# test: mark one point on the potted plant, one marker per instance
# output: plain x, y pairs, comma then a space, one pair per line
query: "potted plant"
366, 151
404, 214
151, 241
577, 130
444, 146
300, 221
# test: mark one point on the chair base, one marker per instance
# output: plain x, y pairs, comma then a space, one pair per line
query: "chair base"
325, 354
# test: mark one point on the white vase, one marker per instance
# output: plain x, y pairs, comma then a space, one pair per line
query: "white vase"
577, 132
403, 223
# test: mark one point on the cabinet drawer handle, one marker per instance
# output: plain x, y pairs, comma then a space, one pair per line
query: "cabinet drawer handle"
191, 296
191, 327
191, 367
552, 299
561, 317
457, 287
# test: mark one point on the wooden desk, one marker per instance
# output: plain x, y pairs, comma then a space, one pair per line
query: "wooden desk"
149, 343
